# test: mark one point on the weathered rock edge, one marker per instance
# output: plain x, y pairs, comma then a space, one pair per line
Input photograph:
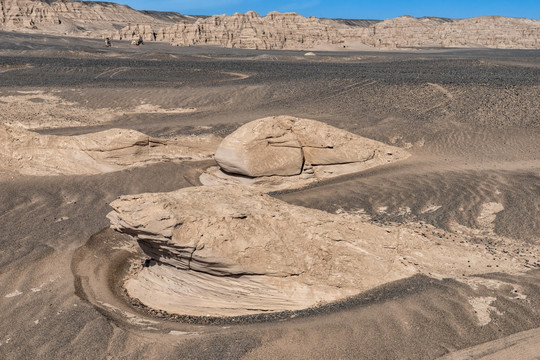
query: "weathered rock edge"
289, 152
29, 153
232, 250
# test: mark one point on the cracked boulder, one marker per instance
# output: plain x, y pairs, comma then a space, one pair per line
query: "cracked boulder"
285, 146
261, 148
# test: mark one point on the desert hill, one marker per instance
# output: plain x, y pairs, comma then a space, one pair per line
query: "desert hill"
490, 31
77, 18
293, 31
273, 31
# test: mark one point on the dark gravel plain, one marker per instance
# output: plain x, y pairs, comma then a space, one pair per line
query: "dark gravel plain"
408, 69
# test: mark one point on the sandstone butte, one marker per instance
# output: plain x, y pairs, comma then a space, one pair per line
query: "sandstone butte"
273, 31
77, 18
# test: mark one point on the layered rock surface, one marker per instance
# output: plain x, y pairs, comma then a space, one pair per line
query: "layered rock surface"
490, 31
302, 150
273, 31
231, 250
76, 18
243, 250
30, 153
293, 31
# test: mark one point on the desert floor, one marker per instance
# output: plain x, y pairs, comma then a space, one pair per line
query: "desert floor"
471, 119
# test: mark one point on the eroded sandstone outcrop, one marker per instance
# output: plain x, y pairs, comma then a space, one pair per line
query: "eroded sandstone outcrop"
489, 31
227, 235
30, 153
293, 31
77, 18
273, 31
232, 250
249, 30
301, 149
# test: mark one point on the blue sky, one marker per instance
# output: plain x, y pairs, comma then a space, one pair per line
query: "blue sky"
359, 9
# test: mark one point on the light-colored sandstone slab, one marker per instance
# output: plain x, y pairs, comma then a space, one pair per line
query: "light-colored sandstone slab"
285, 152
198, 293
261, 148
30, 153
231, 250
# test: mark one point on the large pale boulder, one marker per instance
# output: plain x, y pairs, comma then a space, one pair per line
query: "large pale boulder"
261, 148
285, 145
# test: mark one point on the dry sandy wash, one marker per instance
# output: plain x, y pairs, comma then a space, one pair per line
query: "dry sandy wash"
434, 255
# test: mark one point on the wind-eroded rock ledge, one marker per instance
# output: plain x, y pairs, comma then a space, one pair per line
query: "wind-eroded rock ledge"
30, 153
226, 250
230, 250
